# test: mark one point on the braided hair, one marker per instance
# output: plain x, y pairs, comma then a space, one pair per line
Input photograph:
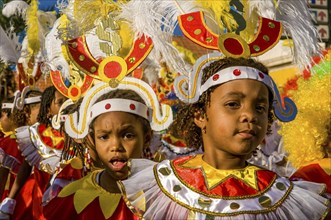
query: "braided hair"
184, 125
46, 100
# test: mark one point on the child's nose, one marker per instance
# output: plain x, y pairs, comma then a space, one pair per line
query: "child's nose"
248, 115
116, 145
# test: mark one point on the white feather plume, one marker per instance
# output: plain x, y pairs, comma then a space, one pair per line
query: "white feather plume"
16, 7
265, 8
54, 54
297, 22
9, 47
157, 19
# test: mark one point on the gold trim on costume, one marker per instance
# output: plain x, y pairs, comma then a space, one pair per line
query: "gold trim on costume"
216, 196
211, 206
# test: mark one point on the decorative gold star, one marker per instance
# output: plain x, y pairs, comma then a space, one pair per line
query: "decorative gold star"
214, 177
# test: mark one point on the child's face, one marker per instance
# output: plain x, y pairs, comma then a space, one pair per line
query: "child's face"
6, 123
118, 137
58, 100
237, 118
34, 111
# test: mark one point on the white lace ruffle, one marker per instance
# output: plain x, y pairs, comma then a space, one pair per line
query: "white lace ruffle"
144, 193
29, 151
9, 162
172, 152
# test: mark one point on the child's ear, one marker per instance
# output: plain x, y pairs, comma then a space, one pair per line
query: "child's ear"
200, 118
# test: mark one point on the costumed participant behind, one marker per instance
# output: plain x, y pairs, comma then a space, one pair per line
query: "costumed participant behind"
229, 113
78, 156
118, 122
309, 146
41, 146
26, 111
10, 156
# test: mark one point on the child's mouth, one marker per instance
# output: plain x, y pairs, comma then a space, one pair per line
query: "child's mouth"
118, 164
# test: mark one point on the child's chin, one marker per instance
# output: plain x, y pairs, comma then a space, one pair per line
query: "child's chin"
120, 175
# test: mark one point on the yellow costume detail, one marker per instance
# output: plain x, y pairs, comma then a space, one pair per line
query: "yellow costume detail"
49, 133
85, 192
214, 177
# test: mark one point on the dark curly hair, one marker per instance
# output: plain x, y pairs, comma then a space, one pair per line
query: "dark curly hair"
71, 147
46, 100
184, 125
22, 116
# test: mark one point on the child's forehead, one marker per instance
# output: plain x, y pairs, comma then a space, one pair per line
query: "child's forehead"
117, 116
243, 85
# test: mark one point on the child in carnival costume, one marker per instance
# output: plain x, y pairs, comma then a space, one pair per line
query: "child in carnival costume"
29, 69
118, 122
41, 146
128, 101
231, 101
11, 158
26, 111
220, 183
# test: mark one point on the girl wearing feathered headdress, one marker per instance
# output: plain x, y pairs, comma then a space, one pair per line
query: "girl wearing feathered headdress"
118, 124
230, 104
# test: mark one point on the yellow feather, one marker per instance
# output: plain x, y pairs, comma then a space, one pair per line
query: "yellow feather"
33, 28
86, 12
221, 10
188, 54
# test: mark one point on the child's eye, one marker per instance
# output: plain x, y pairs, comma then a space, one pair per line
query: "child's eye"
102, 137
232, 104
261, 108
129, 136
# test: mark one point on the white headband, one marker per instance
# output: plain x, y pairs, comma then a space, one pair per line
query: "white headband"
32, 100
21, 101
235, 73
7, 106
121, 105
